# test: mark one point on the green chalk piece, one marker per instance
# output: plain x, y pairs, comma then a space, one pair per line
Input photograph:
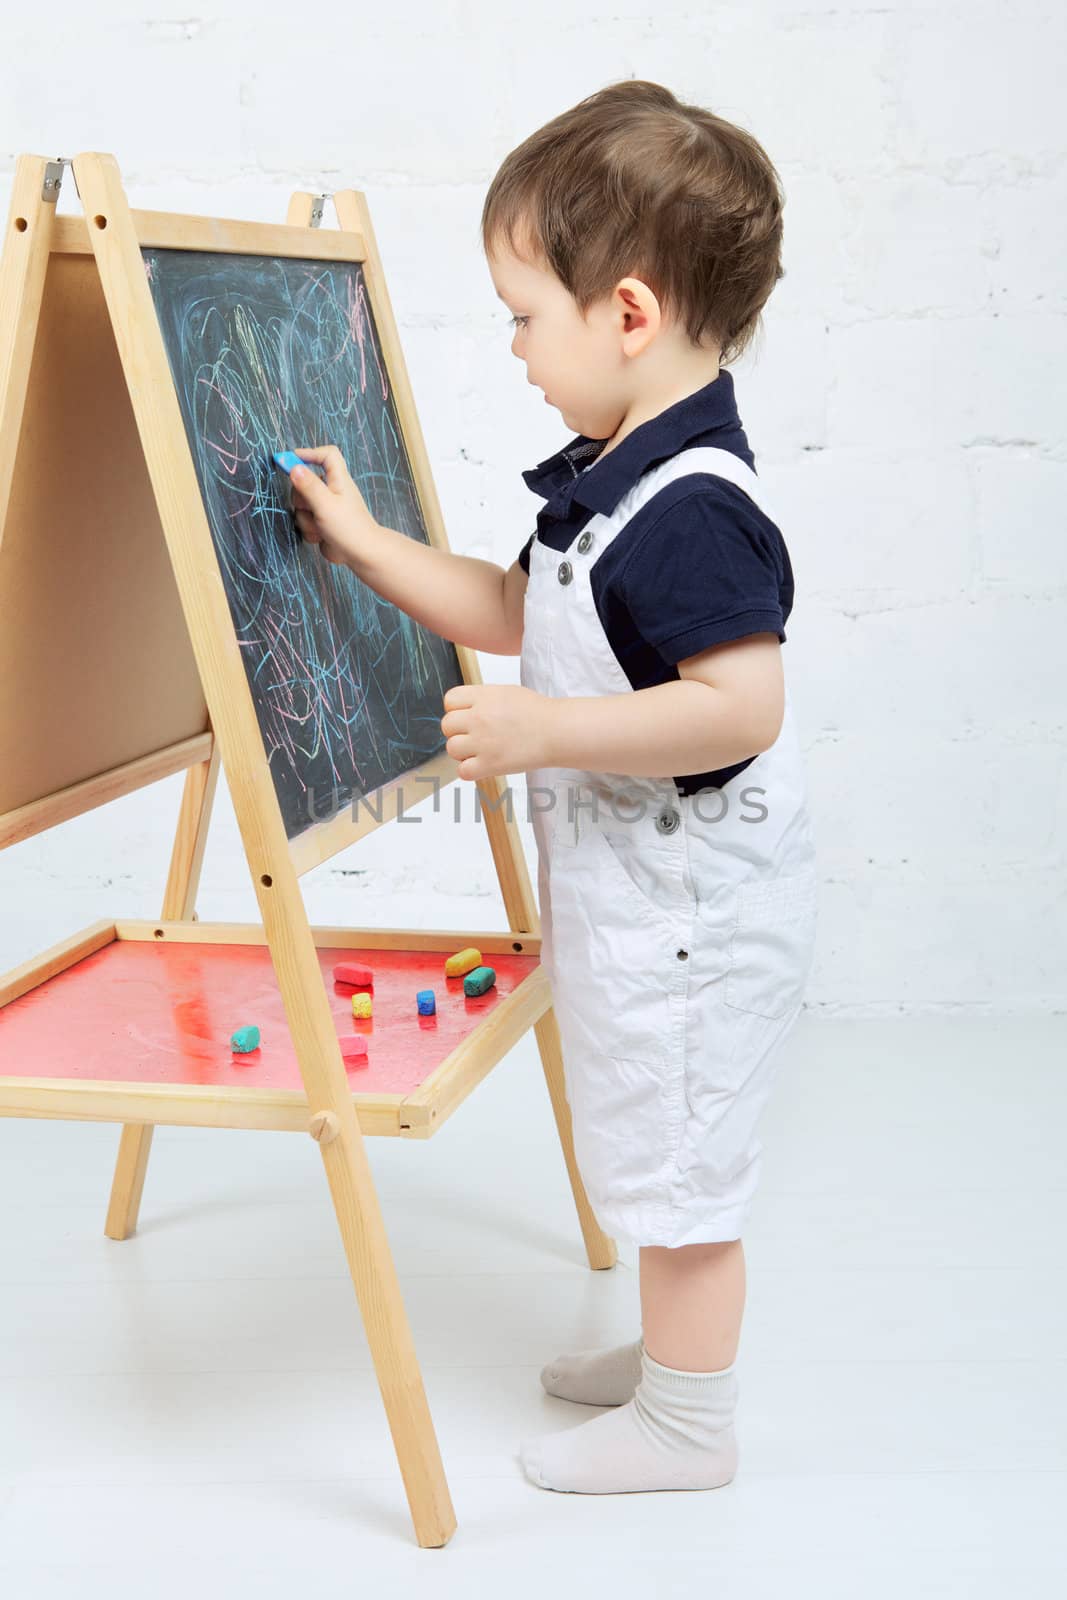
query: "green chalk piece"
478, 981
245, 1039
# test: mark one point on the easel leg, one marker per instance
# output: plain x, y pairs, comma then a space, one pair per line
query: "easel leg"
599, 1246
385, 1321
179, 902
128, 1181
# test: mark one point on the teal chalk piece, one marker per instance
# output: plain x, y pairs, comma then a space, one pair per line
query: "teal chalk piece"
478, 981
427, 1002
245, 1039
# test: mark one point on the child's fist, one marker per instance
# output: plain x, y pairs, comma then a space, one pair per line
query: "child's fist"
333, 515
495, 728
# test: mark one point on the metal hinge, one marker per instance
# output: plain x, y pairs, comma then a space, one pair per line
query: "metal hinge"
318, 203
53, 179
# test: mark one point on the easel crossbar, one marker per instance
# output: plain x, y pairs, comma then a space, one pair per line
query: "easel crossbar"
40, 815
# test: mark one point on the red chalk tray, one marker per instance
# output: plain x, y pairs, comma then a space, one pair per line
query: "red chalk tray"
150, 1013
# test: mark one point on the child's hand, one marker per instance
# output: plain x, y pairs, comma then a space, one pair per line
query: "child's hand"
496, 728
333, 514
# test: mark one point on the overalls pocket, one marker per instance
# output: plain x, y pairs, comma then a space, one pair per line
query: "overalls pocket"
773, 944
641, 882
651, 877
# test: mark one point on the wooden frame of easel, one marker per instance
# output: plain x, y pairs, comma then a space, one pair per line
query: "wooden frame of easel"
107, 242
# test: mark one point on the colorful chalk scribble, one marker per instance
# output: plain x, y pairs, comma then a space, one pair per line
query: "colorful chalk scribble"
268, 353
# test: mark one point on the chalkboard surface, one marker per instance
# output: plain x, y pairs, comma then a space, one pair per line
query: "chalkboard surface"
268, 353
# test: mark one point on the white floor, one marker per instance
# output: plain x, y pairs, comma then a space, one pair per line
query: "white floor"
194, 1412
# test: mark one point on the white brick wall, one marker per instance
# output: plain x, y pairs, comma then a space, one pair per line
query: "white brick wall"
905, 405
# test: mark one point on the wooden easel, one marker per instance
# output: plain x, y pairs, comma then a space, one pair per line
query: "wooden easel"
82, 359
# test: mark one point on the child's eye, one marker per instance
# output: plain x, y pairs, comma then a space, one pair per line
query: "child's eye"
514, 321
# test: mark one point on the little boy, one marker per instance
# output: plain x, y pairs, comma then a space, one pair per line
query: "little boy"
635, 240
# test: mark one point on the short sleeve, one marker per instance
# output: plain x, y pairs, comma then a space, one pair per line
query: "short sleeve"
524, 555
711, 568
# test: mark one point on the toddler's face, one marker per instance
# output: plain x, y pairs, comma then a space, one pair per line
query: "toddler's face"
578, 363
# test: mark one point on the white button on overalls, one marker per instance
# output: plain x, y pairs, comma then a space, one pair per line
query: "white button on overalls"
677, 930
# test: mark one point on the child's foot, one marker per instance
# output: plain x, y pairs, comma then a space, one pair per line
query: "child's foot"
676, 1433
596, 1377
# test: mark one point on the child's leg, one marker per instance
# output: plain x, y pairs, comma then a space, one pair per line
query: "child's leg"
692, 1300
677, 1430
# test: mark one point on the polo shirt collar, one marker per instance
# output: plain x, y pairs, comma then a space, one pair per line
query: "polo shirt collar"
603, 486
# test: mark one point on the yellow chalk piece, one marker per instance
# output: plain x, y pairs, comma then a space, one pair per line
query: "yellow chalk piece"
361, 1005
463, 961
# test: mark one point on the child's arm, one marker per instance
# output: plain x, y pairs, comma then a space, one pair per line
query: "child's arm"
727, 705
463, 598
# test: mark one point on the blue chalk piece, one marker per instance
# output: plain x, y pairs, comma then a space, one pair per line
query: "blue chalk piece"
478, 981
245, 1039
427, 1001
288, 459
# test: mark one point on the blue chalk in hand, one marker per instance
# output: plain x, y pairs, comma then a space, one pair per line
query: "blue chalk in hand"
427, 1002
288, 460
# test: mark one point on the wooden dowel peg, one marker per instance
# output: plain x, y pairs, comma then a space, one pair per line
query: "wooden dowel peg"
324, 1127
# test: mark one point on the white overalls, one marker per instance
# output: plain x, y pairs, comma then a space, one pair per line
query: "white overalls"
677, 931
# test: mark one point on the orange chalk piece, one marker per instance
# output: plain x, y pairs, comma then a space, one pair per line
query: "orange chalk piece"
463, 961
354, 1049
361, 1005
352, 973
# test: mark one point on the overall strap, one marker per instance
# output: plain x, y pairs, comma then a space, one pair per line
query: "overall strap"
720, 463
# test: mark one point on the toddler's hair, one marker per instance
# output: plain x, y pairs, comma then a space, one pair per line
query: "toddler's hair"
632, 182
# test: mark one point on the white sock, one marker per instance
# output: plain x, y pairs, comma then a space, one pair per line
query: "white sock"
596, 1377
676, 1433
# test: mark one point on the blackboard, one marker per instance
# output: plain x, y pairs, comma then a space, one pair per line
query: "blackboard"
268, 353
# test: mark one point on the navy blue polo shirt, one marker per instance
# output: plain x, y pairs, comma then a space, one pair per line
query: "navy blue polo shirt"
699, 564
